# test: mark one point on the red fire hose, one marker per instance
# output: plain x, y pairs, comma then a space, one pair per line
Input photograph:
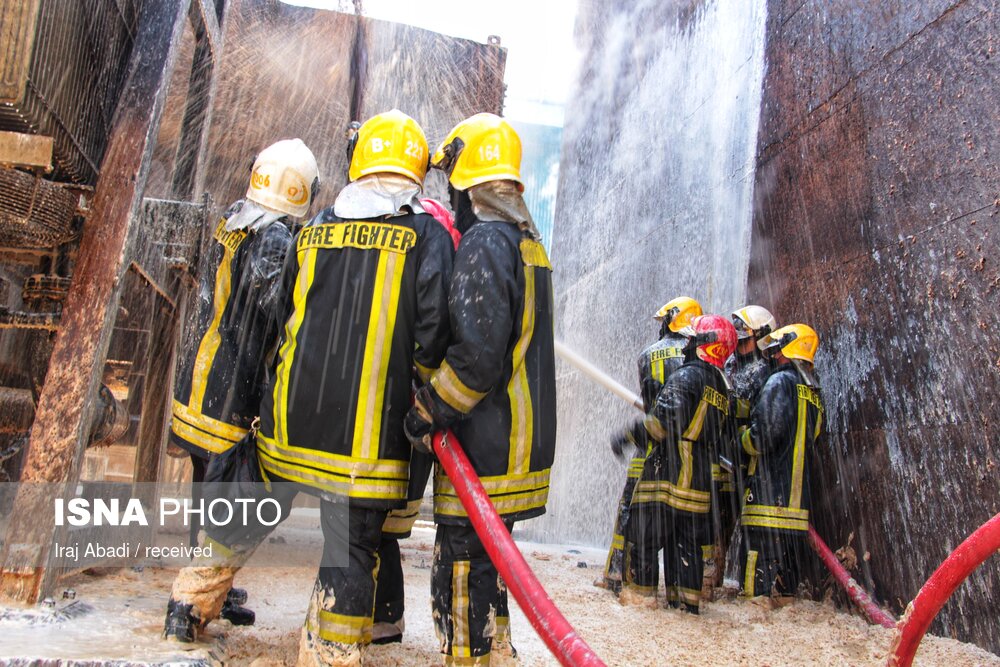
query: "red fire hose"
854, 590
969, 555
548, 622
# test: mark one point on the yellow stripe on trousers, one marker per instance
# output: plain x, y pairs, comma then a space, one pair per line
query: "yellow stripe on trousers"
521, 417
210, 341
307, 271
378, 348
799, 456
461, 635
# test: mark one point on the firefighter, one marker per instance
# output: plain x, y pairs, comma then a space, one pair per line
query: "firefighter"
496, 386
656, 363
363, 298
785, 423
389, 589
746, 371
219, 384
684, 428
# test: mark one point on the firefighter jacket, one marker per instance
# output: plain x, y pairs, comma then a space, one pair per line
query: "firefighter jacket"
746, 375
685, 427
496, 386
784, 425
219, 384
361, 302
656, 363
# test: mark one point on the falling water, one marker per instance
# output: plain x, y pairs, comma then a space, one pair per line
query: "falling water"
654, 202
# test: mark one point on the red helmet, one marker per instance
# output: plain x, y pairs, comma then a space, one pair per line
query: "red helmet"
442, 215
714, 337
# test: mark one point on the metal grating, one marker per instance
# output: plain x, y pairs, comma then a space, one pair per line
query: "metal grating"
79, 56
34, 213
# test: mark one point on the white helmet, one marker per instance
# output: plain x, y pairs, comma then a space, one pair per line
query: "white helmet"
755, 321
284, 178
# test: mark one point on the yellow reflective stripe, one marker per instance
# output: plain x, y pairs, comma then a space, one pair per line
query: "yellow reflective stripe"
635, 468
358, 487
378, 348
423, 372
707, 551
686, 595
303, 282
533, 254
461, 646
747, 442
654, 427
400, 521
656, 486
645, 591
618, 541
453, 391
773, 522
693, 431
466, 661
656, 368
348, 466
208, 424
750, 576
341, 628
209, 344
498, 484
509, 504
776, 511
819, 422
518, 391
687, 464
742, 408
799, 454
200, 438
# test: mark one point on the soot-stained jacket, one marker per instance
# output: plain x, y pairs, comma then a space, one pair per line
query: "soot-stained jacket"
496, 386
685, 427
784, 425
746, 375
656, 363
361, 303
219, 383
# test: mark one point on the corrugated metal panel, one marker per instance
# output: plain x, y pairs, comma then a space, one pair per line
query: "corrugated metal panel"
63, 66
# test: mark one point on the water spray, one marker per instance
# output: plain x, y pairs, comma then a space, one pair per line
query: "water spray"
853, 589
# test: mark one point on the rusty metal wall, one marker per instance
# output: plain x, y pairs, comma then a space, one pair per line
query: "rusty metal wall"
292, 71
876, 221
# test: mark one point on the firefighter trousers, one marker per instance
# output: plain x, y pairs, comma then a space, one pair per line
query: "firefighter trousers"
685, 538
773, 561
616, 555
468, 597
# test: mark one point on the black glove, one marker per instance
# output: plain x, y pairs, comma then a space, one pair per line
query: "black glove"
619, 443
418, 431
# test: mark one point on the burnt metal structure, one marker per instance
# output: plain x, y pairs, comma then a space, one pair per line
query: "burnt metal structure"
106, 283
877, 201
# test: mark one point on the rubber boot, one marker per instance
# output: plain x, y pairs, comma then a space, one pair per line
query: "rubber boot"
181, 625
237, 614
237, 596
316, 652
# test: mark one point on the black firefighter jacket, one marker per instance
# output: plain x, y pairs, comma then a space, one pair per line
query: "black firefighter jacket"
784, 425
686, 426
361, 302
496, 386
219, 383
656, 363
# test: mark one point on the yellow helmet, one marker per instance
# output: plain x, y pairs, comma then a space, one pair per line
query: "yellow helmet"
678, 313
284, 177
796, 341
481, 148
389, 142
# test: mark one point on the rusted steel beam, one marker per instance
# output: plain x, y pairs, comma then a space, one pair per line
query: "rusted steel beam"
61, 429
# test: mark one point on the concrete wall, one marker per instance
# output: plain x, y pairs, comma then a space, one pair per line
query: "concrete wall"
876, 221
654, 201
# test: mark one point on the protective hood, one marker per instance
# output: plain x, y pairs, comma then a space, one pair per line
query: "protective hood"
501, 200
806, 372
376, 196
252, 217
